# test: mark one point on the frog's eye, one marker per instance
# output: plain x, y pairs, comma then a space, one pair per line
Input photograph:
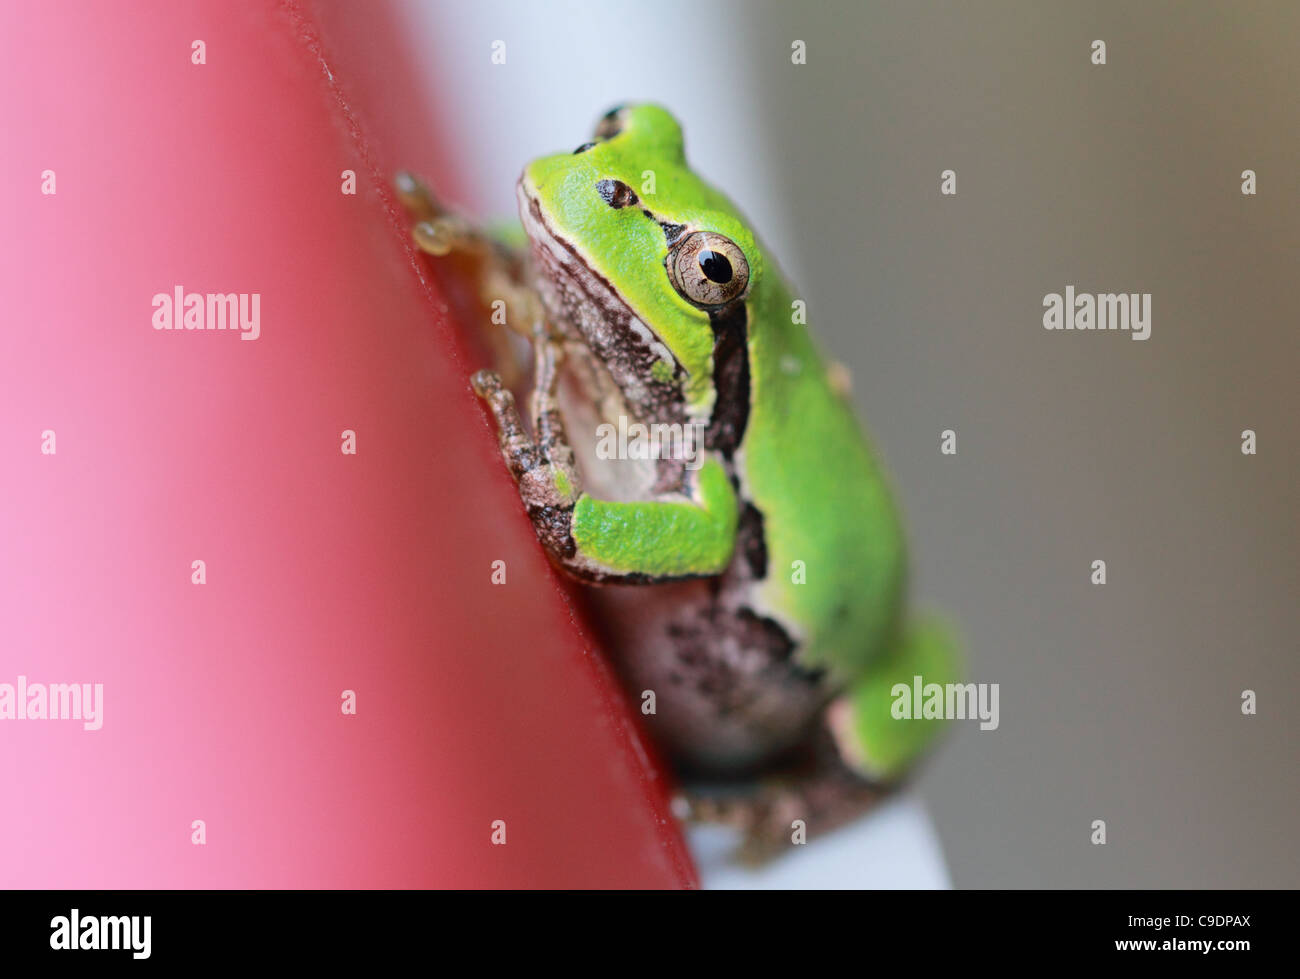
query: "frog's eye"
611, 123
708, 269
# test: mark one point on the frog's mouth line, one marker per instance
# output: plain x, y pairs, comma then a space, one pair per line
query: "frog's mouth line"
588, 308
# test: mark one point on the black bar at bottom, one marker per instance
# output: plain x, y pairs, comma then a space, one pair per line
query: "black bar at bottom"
167, 929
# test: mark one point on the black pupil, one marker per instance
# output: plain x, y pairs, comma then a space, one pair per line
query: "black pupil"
715, 266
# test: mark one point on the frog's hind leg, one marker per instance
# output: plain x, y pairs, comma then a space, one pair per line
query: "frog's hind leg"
860, 753
879, 732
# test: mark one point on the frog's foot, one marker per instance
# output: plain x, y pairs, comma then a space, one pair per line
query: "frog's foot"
415, 196
517, 447
496, 271
780, 814
439, 231
444, 235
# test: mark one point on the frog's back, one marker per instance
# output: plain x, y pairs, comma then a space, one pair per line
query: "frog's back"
835, 550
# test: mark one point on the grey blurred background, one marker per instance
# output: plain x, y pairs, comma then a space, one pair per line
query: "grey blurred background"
1118, 702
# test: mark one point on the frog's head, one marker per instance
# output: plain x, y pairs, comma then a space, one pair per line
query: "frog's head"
640, 259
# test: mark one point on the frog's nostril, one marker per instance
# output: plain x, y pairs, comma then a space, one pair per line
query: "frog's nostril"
616, 194
583, 148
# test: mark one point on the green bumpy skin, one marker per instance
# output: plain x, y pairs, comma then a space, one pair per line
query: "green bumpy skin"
823, 496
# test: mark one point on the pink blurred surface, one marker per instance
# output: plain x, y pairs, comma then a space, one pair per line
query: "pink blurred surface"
325, 571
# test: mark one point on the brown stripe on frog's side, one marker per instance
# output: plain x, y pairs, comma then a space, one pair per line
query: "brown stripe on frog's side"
751, 544
730, 379
671, 231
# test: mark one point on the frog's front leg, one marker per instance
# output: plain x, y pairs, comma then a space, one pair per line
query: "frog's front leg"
497, 271
684, 534
437, 230
440, 232
541, 463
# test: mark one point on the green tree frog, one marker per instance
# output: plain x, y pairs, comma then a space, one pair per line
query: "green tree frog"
751, 563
